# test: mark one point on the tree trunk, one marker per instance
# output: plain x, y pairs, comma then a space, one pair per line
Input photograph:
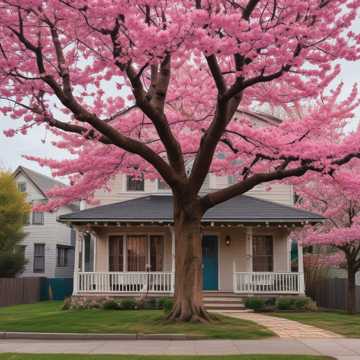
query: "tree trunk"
351, 291
188, 304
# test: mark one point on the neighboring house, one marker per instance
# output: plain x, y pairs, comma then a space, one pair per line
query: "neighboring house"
48, 245
126, 245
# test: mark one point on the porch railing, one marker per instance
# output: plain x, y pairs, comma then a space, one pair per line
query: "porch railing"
268, 282
125, 282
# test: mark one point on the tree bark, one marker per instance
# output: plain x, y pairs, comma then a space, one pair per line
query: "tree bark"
351, 291
188, 304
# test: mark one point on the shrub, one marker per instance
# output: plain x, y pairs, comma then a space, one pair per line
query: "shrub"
150, 304
285, 303
128, 304
302, 303
255, 303
311, 305
111, 305
166, 304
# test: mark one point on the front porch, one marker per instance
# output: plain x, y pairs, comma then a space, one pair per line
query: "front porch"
134, 260
128, 248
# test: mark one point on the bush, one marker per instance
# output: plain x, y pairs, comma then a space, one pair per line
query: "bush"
301, 303
255, 303
151, 304
111, 305
311, 306
285, 303
166, 304
128, 304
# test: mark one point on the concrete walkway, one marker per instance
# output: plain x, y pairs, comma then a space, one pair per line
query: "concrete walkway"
340, 348
284, 328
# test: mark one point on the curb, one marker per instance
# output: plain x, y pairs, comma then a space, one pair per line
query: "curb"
84, 336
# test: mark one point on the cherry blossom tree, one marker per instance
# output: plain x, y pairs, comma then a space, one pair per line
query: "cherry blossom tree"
160, 88
338, 200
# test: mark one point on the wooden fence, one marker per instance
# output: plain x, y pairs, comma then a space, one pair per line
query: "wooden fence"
15, 291
331, 293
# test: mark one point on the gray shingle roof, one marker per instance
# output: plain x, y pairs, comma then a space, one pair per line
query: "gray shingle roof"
155, 208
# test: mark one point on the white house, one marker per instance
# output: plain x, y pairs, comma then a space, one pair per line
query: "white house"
48, 245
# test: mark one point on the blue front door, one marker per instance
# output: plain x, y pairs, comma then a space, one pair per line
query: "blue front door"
210, 262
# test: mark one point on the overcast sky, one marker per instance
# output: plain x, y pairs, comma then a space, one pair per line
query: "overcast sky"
38, 143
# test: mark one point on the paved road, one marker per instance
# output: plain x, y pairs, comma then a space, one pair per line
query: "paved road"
342, 349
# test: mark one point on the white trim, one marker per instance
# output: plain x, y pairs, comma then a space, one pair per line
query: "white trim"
95, 251
76, 263
301, 268
82, 253
205, 221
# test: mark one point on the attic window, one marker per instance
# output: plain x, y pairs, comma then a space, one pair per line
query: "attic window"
21, 187
135, 183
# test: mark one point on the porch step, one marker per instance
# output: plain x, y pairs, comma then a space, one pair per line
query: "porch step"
223, 301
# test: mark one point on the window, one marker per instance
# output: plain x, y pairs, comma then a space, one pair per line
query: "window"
137, 252
39, 258
116, 253
141, 251
62, 256
262, 253
37, 218
156, 252
162, 185
135, 183
21, 186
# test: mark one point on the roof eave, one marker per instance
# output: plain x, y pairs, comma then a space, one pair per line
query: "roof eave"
92, 220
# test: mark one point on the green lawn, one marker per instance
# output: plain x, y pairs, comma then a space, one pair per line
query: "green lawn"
156, 357
338, 322
48, 317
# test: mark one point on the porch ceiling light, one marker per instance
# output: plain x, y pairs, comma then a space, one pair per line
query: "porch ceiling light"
227, 240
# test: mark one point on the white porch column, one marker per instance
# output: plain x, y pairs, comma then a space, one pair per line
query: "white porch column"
76, 263
94, 253
301, 269
82, 253
172, 231
249, 249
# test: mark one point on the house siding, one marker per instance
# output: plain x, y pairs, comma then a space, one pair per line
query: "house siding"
279, 193
51, 233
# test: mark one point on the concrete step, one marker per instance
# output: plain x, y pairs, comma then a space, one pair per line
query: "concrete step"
220, 294
224, 311
225, 306
223, 299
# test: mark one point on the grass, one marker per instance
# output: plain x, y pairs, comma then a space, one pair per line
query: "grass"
48, 317
338, 322
156, 357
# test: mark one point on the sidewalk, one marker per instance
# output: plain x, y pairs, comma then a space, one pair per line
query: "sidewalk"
341, 348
